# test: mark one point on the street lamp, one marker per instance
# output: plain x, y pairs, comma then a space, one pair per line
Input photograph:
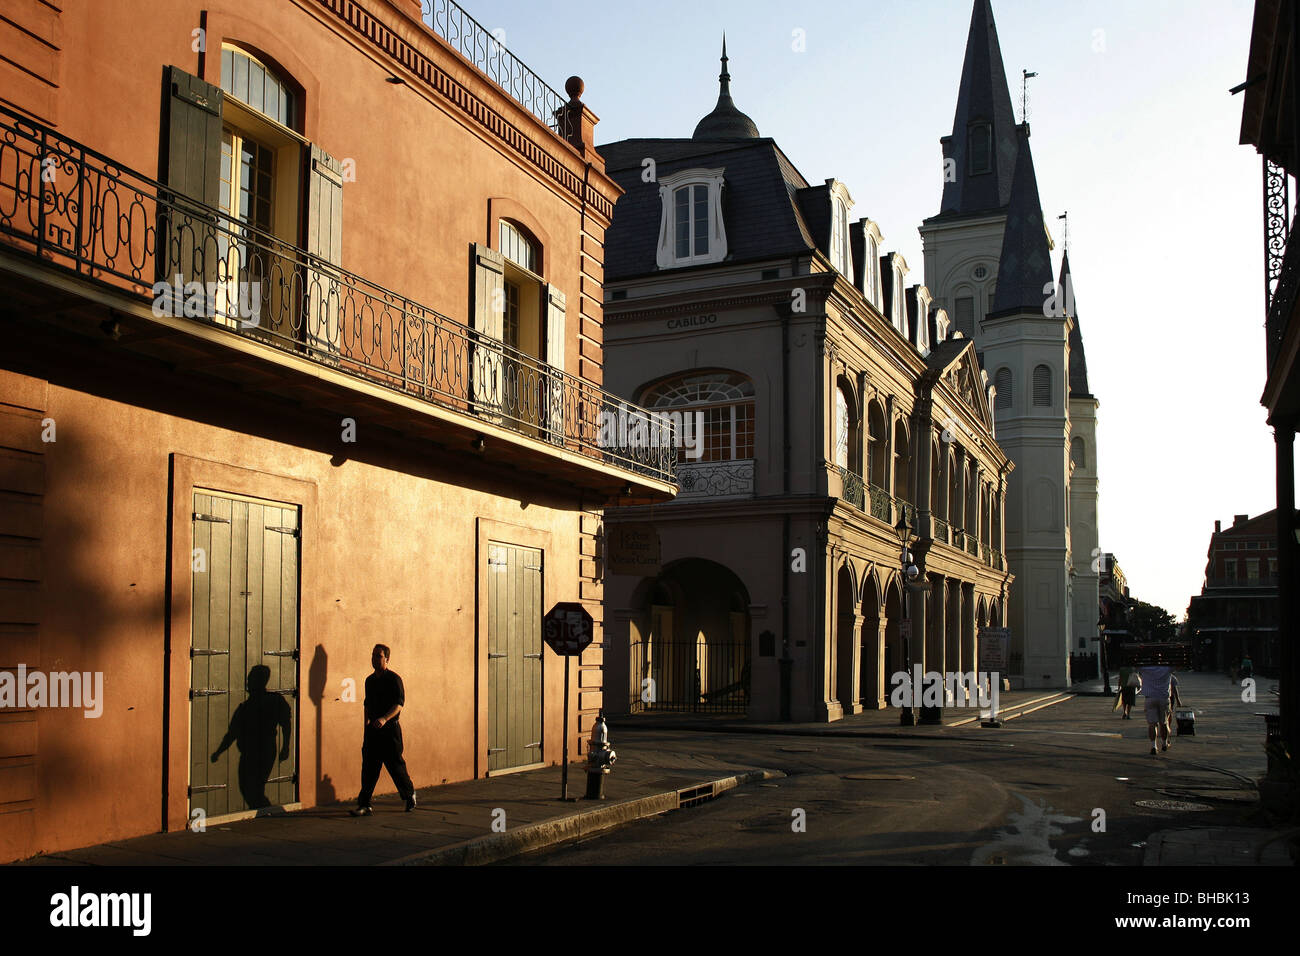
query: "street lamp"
906, 717
1102, 661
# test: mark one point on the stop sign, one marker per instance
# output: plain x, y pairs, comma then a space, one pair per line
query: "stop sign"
567, 628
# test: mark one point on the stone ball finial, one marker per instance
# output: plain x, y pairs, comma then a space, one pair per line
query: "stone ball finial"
574, 87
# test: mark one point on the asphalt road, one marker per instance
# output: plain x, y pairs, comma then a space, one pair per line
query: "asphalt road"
1058, 787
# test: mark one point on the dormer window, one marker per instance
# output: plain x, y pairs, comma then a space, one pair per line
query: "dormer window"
841, 203
691, 230
979, 149
873, 271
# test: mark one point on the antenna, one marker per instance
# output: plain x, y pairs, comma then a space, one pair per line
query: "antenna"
1066, 216
1025, 77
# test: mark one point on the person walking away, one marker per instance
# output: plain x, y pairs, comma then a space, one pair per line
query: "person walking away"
1156, 683
382, 743
1129, 683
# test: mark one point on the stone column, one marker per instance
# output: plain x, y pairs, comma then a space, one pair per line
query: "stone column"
936, 653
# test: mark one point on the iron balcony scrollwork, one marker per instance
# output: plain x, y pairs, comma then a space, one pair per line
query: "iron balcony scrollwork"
77, 210
1281, 261
715, 479
488, 53
882, 503
853, 488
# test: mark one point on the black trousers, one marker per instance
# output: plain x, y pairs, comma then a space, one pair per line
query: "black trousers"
383, 748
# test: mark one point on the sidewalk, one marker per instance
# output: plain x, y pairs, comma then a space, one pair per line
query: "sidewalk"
453, 824
1219, 846
869, 723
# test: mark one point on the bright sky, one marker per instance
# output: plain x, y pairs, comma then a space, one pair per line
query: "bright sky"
1134, 133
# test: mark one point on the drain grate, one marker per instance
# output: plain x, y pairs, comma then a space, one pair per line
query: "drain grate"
692, 796
1181, 806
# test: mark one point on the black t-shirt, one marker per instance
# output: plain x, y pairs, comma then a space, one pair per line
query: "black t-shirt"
383, 690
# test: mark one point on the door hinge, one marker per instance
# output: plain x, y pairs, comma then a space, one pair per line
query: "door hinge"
293, 653
496, 750
289, 531
537, 657
205, 788
291, 778
206, 692
291, 691
492, 656
205, 652
200, 516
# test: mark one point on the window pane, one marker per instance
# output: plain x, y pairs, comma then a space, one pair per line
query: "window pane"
701, 220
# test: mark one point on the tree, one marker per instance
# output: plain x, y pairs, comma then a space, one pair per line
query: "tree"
1147, 622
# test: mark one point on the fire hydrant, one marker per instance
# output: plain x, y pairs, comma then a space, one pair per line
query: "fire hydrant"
600, 758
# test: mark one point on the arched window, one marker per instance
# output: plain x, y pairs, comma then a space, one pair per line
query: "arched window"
1002, 382
841, 428
902, 463
258, 86
1077, 453
518, 247
877, 442
1043, 386
872, 266
726, 402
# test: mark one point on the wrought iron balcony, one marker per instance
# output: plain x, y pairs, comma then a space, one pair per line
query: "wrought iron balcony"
81, 212
882, 503
715, 479
853, 490
489, 55
941, 530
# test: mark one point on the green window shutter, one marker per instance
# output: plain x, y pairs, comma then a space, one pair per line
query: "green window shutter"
487, 318
324, 300
555, 359
192, 171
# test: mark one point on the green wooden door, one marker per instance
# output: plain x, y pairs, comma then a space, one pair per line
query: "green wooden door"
514, 595
243, 655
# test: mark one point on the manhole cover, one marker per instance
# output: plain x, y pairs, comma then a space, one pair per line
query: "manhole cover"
1183, 806
877, 776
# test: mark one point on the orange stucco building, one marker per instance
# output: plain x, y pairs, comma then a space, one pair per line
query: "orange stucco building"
303, 352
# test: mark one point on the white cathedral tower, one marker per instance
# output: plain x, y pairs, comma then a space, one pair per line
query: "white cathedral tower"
988, 262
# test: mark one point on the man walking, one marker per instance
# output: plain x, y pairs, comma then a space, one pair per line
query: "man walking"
1157, 683
382, 744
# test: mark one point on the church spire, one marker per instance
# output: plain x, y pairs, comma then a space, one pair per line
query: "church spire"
1024, 266
980, 155
1078, 362
725, 122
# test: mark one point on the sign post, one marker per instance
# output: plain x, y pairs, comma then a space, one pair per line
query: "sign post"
994, 660
567, 629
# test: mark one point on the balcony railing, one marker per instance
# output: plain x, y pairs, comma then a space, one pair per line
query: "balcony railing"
80, 211
882, 503
942, 531
488, 53
715, 479
1263, 581
853, 488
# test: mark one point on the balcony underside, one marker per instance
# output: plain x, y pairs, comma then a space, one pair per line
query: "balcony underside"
42, 304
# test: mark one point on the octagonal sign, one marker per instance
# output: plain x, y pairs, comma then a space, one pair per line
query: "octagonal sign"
568, 628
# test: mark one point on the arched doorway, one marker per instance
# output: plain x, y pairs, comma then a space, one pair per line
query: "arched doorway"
871, 669
847, 637
693, 654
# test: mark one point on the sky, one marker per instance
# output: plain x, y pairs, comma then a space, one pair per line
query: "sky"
1133, 132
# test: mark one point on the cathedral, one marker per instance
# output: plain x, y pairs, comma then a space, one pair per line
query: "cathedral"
988, 264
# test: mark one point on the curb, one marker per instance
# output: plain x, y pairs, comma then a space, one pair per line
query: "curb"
536, 836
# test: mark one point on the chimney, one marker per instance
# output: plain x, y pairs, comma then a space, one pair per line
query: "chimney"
1218, 526
1239, 519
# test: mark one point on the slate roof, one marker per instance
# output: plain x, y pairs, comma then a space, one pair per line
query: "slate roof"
1024, 265
761, 211
983, 96
1078, 362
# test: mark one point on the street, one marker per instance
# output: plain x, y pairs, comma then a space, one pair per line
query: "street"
1060, 786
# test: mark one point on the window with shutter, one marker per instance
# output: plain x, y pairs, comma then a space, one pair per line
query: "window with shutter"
965, 315
1043, 386
1002, 382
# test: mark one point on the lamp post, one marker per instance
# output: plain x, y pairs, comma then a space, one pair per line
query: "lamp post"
1102, 661
906, 717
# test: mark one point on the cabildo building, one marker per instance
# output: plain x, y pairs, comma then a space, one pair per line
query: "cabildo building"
836, 402
303, 352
